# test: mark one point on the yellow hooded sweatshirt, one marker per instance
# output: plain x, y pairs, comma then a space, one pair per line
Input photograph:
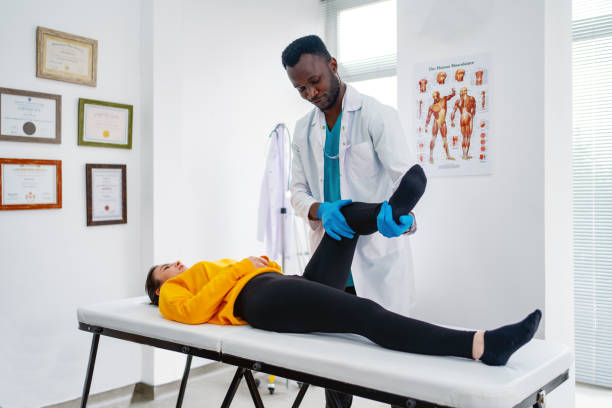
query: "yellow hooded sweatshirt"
206, 292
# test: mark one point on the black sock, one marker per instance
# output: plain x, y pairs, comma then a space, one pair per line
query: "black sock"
501, 343
410, 190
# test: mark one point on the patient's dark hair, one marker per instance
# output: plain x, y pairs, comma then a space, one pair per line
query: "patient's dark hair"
151, 286
311, 44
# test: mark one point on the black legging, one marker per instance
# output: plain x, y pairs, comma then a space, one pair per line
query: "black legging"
316, 301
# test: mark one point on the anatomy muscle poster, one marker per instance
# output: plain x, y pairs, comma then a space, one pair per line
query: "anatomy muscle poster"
453, 126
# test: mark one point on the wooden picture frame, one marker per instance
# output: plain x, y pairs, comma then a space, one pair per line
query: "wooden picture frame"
66, 57
25, 113
25, 181
105, 124
106, 200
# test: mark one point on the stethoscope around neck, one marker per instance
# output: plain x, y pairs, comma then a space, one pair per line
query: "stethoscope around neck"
337, 156
331, 157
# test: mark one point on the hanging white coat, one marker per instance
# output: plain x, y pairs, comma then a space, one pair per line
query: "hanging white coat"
374, 155
273, 197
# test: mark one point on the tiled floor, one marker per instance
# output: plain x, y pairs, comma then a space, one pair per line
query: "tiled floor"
209, 390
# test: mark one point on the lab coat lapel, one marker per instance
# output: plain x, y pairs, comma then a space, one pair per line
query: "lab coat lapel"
350, 103
317, 140
318, 129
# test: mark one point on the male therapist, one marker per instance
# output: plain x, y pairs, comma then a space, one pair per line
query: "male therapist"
350, 147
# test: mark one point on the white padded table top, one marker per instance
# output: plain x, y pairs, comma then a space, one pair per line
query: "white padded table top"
138, 316
350, 358
448, 381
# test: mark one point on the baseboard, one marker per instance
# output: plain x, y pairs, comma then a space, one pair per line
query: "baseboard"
124, 396
117, 397
147, 392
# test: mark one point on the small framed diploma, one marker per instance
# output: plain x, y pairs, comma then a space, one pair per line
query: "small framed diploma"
30, 116
106, 194
66, 57
30, 184
105, 124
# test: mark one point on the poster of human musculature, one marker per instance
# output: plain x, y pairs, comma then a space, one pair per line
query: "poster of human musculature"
453, 116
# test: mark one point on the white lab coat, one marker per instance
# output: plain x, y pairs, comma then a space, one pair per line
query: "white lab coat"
374, 155
273, 197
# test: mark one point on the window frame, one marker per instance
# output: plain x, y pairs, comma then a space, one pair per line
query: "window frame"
590, 256
363, 69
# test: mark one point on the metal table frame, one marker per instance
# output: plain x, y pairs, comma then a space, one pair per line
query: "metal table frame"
244, 366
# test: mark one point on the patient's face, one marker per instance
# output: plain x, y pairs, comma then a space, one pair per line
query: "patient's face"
163, 272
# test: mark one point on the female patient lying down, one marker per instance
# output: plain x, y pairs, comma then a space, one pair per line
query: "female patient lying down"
255, 291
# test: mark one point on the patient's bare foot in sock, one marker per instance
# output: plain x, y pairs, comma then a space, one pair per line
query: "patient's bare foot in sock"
494, 347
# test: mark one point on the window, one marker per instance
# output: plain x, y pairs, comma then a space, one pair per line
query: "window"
362, 35
592, 188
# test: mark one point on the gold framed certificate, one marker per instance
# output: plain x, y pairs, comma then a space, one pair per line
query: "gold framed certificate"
66, 57
30, 184
30, 116
106, 194
105, 124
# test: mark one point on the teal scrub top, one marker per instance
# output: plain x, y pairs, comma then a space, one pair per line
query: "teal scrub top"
331, 169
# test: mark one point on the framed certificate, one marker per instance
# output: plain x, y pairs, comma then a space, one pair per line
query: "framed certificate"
30, 184
105, 124
30, 116
106, 194
66, 57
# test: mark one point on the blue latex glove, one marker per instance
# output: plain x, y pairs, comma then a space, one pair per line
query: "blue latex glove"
386, 223
333, 220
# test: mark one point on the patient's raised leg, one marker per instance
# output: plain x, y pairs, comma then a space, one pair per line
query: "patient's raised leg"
331, 262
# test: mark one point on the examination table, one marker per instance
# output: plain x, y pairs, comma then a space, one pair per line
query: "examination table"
346, 363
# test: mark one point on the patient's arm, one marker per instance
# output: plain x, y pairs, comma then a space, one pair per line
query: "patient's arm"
178, 303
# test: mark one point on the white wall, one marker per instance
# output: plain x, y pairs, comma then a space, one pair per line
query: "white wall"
219, 90
558, 172
50, 261
235, 90
146, 157
479, 252
192, 72
559, 271
492, 248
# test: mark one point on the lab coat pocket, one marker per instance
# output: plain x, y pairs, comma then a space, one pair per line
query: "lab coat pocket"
362, 160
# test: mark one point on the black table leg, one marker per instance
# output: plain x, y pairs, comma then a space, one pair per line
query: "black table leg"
248, 376
300, 396
90, 368
179, 401
231, 391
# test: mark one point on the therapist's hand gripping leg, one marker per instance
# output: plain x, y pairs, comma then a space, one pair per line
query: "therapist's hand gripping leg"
333, 220
392, 219
386, 224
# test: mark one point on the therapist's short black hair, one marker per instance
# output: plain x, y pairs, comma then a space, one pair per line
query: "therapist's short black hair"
311, 44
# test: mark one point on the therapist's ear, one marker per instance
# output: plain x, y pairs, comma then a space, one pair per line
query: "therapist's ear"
157, 291
333, 65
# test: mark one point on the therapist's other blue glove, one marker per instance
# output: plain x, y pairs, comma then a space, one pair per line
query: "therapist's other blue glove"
386, 224
333, 220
